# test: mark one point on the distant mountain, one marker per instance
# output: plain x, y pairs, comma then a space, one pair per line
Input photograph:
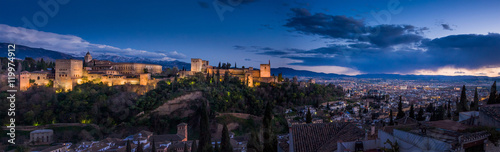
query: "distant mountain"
289, 72
37, 53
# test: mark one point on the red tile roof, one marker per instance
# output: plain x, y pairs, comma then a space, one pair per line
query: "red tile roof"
323, 136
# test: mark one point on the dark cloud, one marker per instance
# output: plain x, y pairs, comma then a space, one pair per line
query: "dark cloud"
239, 47
446, 27
203, 4
273, 53
389, 35
236, 2
344, 27
248, 59
267, 26
460, 51
459, 72
467, 50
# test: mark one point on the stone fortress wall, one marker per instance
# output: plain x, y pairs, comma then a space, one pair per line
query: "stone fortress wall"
70, 72
248, 75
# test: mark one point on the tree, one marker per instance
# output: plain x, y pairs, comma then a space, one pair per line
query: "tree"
401, 113
204, 130
254, 143
412, 112
308, 116
235, 65
225, 140
194, 147
280, 77
129, 147
420, 115
268, 133
391, 122
139, 147
474, 105
493, 93
153, 146
394, 146
463, 101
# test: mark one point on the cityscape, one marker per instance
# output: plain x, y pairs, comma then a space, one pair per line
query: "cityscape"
250, 76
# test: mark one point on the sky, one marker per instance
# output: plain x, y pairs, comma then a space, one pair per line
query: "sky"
445, 37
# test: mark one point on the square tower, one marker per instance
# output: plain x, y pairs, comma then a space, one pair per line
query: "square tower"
182, 131
265, 70
196, 65
67, 71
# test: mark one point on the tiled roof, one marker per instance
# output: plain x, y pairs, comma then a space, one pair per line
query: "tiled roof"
323, 136
406, 120
167, 137
493, 111
448, 125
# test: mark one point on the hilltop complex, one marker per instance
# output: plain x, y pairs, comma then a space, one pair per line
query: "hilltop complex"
69, 72
250, 76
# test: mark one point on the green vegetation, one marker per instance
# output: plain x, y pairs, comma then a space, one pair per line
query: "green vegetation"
114, 109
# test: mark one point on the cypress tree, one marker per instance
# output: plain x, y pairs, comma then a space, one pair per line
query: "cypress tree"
153, 146
391, 122
474, 105
401, 113
308, 116
254, 143
226, 140
204, 130
493, 93
129, 147
194, 147
463, 101
139, 147
420, 115
412, 112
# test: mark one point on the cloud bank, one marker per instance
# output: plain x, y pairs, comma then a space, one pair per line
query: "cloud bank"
388, 48
75, 45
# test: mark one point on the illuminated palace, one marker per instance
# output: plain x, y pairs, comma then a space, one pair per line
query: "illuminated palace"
69, 72
248, 75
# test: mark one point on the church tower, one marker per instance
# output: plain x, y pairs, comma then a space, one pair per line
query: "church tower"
88, 57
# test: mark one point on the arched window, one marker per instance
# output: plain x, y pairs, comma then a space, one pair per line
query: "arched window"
38, 77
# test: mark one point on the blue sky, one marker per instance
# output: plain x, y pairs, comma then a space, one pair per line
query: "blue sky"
297, 34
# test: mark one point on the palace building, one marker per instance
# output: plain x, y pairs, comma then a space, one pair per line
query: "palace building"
69, 72
248, 75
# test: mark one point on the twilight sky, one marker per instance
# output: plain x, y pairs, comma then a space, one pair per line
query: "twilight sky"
445, 37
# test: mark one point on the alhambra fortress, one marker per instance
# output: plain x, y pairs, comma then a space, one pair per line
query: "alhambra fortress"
70, 72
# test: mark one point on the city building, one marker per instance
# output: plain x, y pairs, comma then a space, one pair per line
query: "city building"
70, 72
320, 136
250, 76
42, 136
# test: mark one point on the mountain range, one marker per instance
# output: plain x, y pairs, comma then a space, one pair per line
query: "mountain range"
37, 53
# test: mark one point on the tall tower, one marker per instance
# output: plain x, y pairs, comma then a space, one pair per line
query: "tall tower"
265, 70
182, 131
67, 72
88, 57
196, 65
